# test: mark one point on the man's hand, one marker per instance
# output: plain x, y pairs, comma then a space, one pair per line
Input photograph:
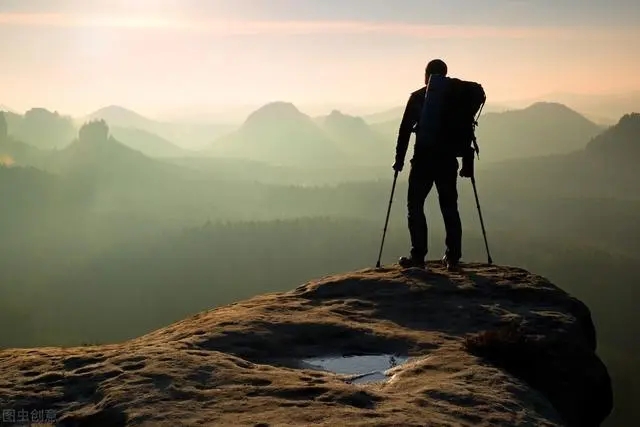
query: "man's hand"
466, 171
398, 165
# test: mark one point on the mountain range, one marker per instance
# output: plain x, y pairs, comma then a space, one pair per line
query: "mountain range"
41, 128
395, 114
620, 143
148, 142
280, 134
102, 155
604, 109
603, 168
539, 129
187, 136
356, 138
102, 174
96, 155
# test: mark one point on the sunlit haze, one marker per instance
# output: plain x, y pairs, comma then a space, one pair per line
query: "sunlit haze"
202, 202
166, 56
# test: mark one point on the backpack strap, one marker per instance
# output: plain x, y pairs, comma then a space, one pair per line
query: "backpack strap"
475, 124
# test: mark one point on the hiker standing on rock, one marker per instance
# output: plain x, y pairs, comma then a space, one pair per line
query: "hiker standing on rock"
433, 162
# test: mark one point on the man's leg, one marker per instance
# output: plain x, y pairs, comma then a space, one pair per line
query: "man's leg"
446, 184
420, 183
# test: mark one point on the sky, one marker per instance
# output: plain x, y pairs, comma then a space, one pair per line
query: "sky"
163, 56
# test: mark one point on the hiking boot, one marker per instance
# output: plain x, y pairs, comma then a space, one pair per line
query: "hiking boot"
451, 264
410, 262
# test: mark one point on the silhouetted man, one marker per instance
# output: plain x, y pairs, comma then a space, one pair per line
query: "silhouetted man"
430, 165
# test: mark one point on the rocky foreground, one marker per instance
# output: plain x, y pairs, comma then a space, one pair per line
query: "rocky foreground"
491, 346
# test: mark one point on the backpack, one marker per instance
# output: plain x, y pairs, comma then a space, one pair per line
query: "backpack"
448, 118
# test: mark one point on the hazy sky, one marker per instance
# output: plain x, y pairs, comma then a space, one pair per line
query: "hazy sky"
157, 55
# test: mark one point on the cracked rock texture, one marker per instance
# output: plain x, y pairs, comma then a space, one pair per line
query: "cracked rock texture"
489, 346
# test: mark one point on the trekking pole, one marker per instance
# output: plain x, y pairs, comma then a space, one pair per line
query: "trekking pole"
386, 221
484, 233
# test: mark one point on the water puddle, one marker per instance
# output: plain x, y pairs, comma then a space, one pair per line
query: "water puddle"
358, 369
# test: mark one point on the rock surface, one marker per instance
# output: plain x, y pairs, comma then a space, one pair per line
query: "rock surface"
234, 365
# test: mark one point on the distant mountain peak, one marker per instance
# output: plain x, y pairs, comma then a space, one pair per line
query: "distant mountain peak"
631, 119
628, 127
543, 104
95, 149
549, 106
621, 140
115, 108
279, 133
276, 110
548, 110
336, 117
95, 130
119, 116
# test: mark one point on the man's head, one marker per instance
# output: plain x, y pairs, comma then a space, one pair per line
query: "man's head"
436, 66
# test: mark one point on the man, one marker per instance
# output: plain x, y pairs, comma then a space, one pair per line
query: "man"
429, 166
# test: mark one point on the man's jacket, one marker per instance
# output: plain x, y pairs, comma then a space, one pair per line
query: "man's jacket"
410, 120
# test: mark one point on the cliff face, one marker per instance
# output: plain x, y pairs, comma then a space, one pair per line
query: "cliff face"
492, 346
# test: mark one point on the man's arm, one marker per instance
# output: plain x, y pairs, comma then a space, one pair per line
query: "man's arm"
407, 124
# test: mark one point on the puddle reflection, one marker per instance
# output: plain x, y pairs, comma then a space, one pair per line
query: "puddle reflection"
358, 369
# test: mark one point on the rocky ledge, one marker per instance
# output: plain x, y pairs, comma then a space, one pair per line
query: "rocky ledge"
490, 346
